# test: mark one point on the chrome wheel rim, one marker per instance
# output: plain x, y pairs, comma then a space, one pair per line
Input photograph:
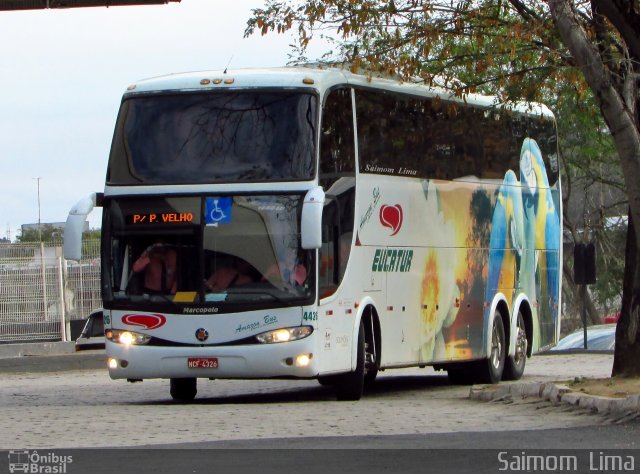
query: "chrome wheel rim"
496, 346
521, 343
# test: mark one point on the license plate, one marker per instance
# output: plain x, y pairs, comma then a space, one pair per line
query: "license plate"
202, 363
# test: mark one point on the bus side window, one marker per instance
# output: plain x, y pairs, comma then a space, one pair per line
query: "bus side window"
337, 143
328, 274
337, 177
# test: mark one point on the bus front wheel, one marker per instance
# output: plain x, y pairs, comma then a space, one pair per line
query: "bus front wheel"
351, 385
183, 390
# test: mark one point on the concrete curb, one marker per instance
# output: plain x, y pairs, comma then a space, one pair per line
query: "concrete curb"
36, 349
48, 357
55, 363
556, 394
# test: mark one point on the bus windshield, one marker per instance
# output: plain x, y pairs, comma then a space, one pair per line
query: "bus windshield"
213, 137
233, 252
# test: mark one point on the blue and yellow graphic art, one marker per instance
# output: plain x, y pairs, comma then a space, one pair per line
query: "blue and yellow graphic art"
486, 241
506, 243
542, 223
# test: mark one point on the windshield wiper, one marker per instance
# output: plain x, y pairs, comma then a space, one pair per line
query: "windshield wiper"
252, 291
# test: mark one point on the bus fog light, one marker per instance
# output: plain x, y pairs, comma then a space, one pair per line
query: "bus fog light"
112, 363
303, 360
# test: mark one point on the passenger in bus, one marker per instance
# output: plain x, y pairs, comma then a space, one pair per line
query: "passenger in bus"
159, 263
239, 273
288, 269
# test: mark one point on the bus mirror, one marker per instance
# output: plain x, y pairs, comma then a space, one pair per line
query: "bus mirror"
311, 222
75, 225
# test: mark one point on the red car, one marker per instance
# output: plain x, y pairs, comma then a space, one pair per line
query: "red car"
611, 318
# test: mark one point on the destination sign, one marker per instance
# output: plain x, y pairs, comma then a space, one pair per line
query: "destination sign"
161, 218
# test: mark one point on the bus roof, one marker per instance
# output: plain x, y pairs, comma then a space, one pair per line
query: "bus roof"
318, 79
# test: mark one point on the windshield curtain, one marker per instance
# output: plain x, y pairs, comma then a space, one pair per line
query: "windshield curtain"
212, 137
232, 252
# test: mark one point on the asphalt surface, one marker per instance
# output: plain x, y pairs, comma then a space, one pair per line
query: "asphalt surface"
243, 432
51, 357
545, 384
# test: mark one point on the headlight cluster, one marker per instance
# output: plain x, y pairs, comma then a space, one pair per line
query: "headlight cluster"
127, 338
284, 335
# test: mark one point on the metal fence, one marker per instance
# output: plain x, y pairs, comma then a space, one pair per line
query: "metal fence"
41, 292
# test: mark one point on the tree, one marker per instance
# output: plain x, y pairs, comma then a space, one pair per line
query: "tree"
46, 233
511, 48
50, 234
611, 67
594, 204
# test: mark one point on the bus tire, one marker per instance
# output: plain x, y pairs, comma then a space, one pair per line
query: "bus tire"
351, 385
371, 359
514, 365
370, 377
183, 390
490, 369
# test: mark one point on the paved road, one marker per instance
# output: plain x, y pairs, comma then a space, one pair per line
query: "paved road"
86, 409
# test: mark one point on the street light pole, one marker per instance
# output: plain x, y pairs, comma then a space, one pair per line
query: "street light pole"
42, 262
39, 223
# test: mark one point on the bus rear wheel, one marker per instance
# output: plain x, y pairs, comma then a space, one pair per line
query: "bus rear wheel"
183, 390
351, 385
490, 369
514, 367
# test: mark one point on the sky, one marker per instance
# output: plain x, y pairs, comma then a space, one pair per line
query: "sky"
62, 76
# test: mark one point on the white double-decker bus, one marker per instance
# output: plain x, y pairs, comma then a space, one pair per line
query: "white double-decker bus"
314, 223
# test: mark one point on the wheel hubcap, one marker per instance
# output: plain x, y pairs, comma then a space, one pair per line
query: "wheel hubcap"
496, 347
369, 358
521, 345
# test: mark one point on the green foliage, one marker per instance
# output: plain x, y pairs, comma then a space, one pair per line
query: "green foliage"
46, 233
503, 48
49, 233
610, 269
93, 234
593, 195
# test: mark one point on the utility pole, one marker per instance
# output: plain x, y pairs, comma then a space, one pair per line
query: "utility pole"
39, 223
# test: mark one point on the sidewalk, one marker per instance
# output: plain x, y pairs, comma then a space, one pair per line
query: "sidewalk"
543, 379
558, 394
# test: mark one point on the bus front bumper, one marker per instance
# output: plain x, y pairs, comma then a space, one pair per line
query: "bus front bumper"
293, 359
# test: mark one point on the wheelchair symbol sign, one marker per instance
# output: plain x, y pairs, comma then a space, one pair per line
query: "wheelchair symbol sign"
218, 210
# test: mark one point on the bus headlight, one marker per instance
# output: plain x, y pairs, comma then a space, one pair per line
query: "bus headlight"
127, 338
284, 334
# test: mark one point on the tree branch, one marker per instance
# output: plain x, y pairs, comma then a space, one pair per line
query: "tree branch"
625, 17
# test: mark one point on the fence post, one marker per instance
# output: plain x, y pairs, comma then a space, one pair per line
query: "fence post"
44, 282
65, 326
